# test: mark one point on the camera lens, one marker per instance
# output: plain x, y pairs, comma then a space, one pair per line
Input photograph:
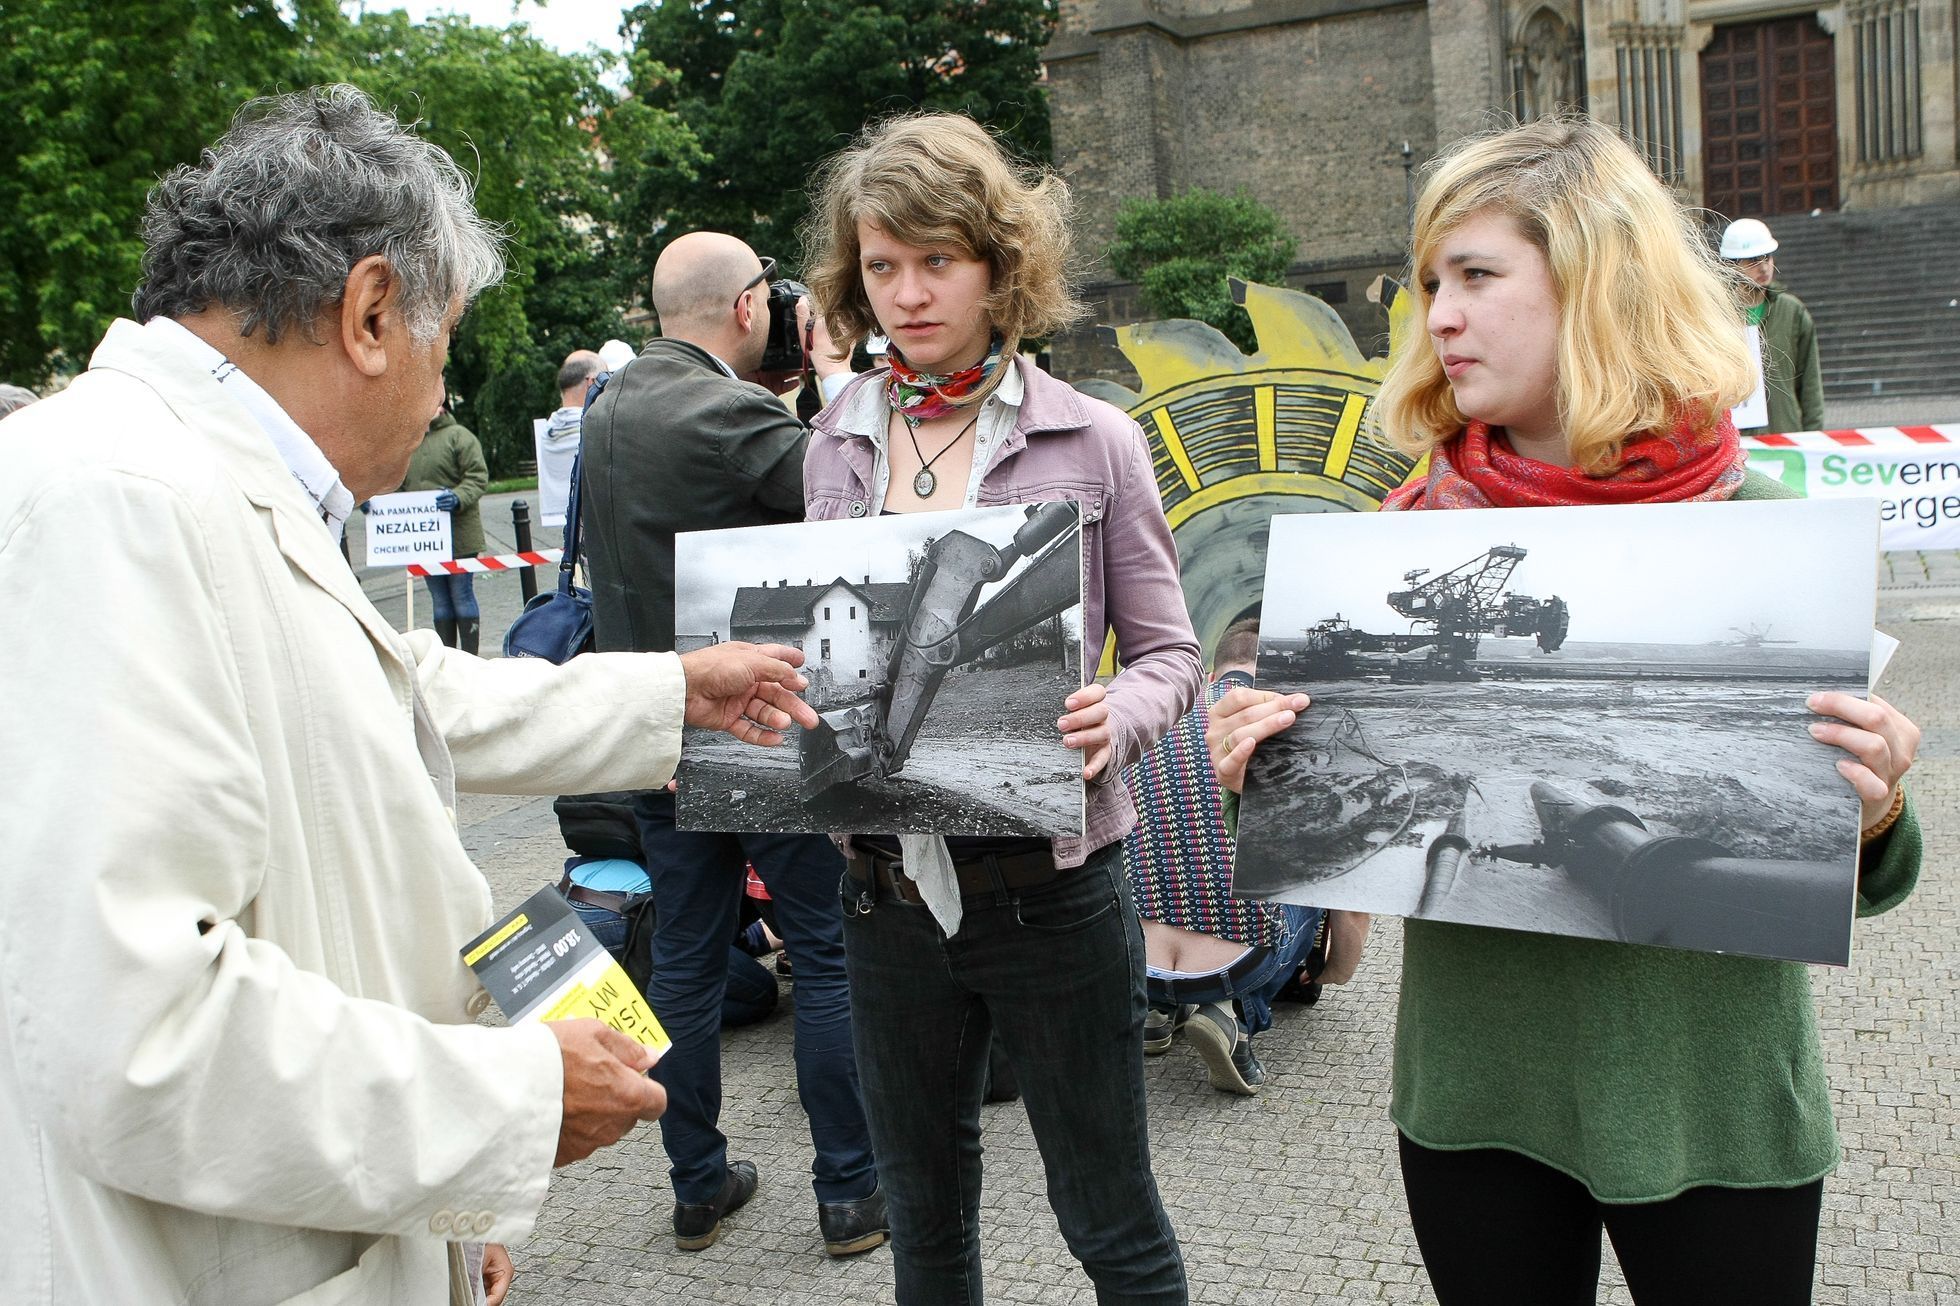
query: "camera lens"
784, 352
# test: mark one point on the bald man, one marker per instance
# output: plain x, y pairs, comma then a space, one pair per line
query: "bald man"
580, 366
678, 442
558, 442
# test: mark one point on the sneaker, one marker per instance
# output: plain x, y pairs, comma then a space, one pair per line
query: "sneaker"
853, 1227
1222, 1041
1160, 1027
698, 1224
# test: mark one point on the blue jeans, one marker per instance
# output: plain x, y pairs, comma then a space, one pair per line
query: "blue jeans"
1056, 973
697, 893
1256, 987
453, 598
751, 993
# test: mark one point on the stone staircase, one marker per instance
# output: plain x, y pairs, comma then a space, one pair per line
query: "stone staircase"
1884, 288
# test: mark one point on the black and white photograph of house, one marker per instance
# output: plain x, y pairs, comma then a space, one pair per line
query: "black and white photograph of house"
939, 648
1582, 721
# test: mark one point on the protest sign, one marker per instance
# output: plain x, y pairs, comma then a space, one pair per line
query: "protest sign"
405, 528
1563, 720
937, 645
554, 470
1913, 471
1753, 411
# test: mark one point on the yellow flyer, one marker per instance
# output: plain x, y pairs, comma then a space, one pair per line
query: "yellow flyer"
541, 963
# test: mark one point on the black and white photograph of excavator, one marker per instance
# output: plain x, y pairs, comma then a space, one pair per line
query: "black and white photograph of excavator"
1581, 721
939, 648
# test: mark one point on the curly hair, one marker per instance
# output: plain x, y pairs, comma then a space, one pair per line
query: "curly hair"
1650, 329
272, 218
940, 179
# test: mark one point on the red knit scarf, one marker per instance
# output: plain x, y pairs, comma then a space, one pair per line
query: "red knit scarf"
1475, 469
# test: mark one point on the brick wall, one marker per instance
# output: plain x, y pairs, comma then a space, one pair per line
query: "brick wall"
1303, 103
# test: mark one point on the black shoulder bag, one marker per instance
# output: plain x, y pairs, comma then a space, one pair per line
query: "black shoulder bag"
558, 626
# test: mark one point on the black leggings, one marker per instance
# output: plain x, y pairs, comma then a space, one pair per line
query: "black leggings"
1496, 1226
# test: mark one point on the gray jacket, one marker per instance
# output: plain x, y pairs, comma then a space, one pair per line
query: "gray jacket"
675, 444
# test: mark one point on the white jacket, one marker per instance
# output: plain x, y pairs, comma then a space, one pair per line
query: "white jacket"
237, 1063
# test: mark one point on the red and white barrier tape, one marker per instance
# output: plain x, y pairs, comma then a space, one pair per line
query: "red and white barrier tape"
1864, 437
487, 562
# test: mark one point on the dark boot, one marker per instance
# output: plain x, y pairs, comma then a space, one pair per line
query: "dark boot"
446, 630
467, 630
697, 1225
853, 1227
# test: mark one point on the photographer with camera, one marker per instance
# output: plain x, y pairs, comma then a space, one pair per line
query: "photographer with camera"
679, 441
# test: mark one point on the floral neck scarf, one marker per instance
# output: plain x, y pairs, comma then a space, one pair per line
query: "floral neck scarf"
1475, 469
921, 396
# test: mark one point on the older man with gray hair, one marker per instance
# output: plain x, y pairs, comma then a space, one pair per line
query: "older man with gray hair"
238, 1062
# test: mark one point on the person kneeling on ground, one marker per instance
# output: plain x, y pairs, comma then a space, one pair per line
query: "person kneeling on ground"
1208, 952
608, 886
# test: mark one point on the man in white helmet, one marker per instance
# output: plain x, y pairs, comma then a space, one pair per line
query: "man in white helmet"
1791, 376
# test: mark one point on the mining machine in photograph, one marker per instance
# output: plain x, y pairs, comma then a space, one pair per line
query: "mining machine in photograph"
1451, 614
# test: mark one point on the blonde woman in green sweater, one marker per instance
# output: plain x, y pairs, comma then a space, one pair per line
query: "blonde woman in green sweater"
1583, 350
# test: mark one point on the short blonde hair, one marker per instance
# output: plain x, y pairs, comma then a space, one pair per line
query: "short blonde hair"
1650, 329
941, 179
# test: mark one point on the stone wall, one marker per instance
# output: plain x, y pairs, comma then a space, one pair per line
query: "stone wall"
1305, 104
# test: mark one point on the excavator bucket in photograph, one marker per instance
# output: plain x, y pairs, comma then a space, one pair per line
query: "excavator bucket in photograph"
842, 746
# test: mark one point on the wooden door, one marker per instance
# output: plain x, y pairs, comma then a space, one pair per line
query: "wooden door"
1769, 119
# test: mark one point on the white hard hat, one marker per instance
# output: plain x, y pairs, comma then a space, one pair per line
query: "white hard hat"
1747, 238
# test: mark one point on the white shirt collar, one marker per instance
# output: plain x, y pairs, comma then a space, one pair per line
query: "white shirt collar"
869, 416
316, 476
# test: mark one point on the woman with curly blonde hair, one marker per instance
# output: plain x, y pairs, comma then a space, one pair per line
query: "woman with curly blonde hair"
927, 231
1584, 348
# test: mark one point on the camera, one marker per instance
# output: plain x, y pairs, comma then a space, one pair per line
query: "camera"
784, 352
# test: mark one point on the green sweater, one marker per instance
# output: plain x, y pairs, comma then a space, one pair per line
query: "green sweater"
1639, 1071
450, 458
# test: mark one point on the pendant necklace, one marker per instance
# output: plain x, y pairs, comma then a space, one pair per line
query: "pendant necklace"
925, 482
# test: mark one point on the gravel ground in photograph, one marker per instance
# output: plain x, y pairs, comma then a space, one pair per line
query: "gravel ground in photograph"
987, 761
1342, 813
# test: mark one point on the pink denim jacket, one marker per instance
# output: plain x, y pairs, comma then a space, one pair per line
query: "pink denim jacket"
1065, 445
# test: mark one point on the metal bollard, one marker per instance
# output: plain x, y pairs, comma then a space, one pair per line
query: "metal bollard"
520, 524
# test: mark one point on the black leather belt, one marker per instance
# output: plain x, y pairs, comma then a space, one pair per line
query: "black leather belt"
612, 902
1204, 988
989, 874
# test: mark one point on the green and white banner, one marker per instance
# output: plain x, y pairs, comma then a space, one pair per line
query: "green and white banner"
1913, 472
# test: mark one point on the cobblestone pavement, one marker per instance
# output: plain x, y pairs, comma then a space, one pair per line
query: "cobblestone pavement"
1293, 1196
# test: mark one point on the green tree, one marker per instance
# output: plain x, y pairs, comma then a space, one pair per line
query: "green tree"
772, 86
537, 129
98, 101
93, 126
1181, 250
